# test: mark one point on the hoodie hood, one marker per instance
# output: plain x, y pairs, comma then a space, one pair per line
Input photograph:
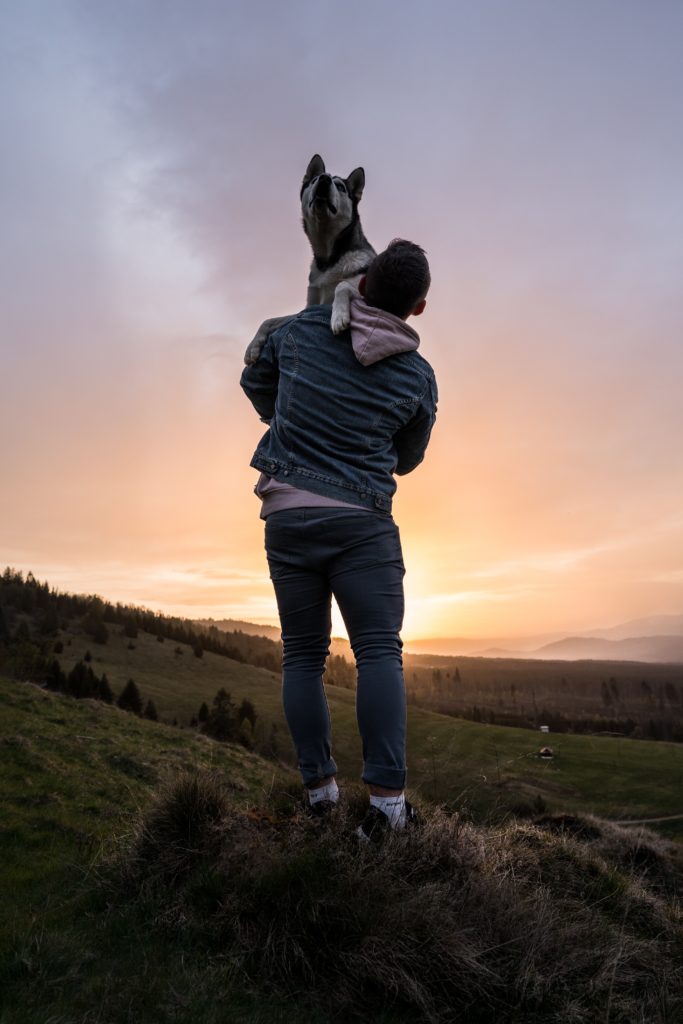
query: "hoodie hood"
376, 334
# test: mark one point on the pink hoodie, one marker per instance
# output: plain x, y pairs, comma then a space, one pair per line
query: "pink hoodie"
375, 334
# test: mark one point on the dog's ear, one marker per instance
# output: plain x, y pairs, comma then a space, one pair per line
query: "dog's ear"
315, 167
356, 183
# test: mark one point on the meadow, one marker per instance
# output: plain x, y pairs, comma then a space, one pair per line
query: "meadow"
488, 770
632, 698
153, 875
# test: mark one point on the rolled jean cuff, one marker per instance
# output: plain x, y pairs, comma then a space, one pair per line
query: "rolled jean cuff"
387, 778
323, 771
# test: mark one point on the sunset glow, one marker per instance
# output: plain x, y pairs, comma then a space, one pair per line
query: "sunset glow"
151, 170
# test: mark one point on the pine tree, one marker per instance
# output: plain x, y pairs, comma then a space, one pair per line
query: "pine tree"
130, 699
77, 682
93, 624
104, 690
151, 711
203, 713
22, 633
49, 621
247, 712
93, 684
222, 722
56, 677
4, 628
100, 633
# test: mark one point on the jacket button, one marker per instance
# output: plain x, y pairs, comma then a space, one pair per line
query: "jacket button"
286, 472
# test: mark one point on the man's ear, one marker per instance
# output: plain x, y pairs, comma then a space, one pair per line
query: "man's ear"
315, 167
420, 308
356, 183
361, 285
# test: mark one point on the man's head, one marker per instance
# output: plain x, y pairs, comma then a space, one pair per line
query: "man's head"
398, 279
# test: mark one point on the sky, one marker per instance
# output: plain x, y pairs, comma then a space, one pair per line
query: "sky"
152, 154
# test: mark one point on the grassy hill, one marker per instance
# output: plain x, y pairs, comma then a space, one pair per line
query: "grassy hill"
489, 770
71, 770
155, 876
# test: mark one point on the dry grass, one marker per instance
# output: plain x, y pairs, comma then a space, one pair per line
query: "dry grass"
564, 920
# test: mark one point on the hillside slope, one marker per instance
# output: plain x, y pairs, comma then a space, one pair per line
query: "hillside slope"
490, 769
71, 771
157, 877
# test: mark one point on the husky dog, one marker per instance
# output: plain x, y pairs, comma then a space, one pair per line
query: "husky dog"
341, 252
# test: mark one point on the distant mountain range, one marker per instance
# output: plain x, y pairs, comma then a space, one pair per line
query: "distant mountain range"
656, 638
642, 648
237, 625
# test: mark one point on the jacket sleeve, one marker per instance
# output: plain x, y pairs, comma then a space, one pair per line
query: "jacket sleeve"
411, 440
260, 381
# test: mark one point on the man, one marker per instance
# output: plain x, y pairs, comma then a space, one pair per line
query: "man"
345, 414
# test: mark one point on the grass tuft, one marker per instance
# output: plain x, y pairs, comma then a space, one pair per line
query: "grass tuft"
555, 921
179, 829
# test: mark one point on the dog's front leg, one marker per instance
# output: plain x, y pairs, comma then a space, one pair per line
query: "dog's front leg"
341, 307
258, 341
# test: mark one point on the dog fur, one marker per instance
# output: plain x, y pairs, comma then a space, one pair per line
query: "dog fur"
341, 252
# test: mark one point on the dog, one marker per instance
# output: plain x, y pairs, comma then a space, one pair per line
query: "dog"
341, 252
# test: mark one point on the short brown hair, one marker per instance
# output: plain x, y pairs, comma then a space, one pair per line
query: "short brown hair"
398, 278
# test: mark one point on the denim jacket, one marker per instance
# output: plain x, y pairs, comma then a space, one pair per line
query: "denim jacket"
340, 427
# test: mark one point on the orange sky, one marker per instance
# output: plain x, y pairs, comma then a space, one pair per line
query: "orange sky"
154, 222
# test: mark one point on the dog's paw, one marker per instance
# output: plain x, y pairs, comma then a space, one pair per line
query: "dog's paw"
341, 318
254, 349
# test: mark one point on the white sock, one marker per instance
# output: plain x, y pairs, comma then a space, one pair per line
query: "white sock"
393, 806
327, 792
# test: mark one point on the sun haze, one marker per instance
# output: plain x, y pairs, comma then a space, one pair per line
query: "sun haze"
151, 167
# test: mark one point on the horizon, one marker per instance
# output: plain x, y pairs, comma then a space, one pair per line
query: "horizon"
153, 170
407, 640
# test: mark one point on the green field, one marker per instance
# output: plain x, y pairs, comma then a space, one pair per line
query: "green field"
488, 769
76, 776
72, 772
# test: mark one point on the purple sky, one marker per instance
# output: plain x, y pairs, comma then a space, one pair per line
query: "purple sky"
152, 156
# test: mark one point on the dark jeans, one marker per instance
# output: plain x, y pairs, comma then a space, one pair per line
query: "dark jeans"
355, 555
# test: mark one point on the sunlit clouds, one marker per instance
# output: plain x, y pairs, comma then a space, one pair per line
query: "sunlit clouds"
152, 156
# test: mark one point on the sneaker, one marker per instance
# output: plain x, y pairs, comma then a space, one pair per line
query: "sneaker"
375, 825
321, 809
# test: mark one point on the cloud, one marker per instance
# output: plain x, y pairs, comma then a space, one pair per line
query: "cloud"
152, 162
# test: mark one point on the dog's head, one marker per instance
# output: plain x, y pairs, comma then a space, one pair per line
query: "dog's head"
327, 200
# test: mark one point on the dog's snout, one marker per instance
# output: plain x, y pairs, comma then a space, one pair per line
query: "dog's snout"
323, 184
